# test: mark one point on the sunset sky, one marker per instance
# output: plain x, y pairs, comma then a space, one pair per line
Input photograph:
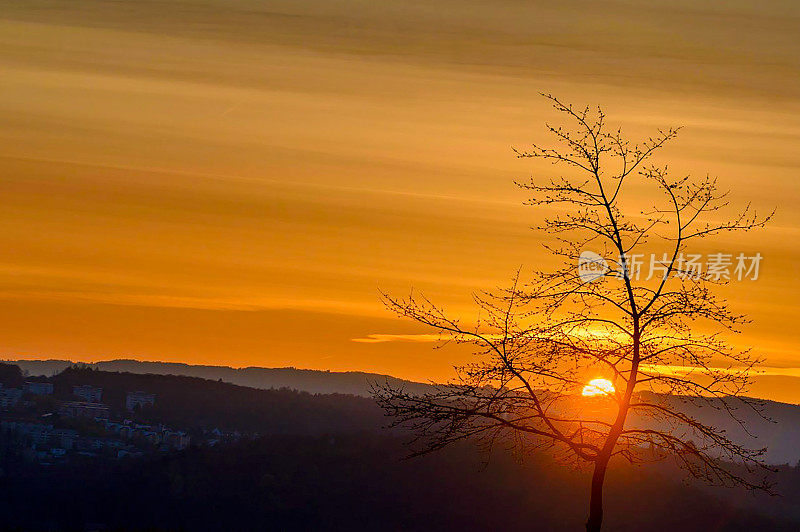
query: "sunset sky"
231, 182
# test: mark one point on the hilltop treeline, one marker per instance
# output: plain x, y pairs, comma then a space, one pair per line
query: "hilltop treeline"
191, 403
10, 375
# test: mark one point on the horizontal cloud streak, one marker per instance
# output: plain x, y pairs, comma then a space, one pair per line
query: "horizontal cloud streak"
383, 338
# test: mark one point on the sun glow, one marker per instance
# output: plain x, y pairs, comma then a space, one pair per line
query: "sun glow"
598, 387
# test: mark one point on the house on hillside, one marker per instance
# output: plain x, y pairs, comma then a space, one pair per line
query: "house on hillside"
66, 438
176, 439
139, 399
84, 409
38, 388
37, 433
90, 394
9, 397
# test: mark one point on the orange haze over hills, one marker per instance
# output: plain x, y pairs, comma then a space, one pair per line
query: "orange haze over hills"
230, 182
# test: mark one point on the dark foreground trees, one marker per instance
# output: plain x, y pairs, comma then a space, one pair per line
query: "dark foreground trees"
357, 482
654, 337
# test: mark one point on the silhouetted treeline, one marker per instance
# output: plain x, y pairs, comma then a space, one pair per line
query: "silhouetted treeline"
10, 375
191, 402
308, 380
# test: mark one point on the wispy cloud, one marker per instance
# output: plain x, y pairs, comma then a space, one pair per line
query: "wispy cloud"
383, 338
678, 370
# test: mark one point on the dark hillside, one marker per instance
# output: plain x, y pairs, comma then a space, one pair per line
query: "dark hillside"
190, 402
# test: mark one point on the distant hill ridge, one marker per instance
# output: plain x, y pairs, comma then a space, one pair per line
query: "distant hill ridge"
781, 435
307, 380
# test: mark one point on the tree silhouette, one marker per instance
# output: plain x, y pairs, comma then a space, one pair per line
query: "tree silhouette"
538, 341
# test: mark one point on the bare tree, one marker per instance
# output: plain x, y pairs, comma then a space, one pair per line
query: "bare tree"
537, 341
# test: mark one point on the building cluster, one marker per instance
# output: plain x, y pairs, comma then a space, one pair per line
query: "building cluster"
84, 409
90, 407
9, 397
158, 435
90, 394
136, 400
216, 436
38, 388
47, 443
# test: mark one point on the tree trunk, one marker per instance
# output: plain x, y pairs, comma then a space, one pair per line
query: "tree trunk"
595, 520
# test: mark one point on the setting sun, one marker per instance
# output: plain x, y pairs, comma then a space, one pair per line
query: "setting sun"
598, 387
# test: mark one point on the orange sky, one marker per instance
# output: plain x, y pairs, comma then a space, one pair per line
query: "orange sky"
230, 182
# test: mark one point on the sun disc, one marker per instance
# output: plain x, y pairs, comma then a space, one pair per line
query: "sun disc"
598, 387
